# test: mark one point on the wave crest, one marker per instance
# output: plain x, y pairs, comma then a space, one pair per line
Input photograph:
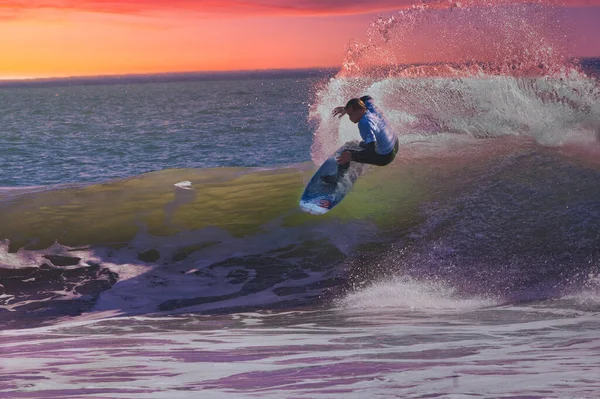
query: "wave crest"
433, 76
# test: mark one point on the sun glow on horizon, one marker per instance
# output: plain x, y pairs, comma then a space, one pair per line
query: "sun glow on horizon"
86, 44
93, 37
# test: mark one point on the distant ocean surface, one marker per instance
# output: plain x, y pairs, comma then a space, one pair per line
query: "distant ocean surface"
468, 268
92, 130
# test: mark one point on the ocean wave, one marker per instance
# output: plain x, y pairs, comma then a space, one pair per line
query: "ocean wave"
492, 198
507, 221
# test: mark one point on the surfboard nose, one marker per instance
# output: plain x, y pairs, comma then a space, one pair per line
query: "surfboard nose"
312, 208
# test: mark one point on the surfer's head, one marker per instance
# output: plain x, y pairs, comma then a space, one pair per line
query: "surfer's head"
355, 109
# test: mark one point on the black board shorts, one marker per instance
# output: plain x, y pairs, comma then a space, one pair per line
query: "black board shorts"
370, 156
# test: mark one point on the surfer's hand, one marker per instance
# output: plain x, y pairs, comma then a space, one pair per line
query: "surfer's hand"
344, 158
339, 111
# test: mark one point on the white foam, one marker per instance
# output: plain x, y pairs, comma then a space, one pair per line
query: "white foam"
566, 108
589, 294
184, 185
405, 292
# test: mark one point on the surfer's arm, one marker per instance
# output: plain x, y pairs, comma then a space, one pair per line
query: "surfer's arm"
339, 111
344, 158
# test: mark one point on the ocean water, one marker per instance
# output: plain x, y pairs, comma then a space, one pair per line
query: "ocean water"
84, 132
468, 268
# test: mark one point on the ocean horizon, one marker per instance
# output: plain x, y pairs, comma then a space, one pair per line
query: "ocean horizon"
166, 77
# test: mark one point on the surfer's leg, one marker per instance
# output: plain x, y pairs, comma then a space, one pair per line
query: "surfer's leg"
360, 156
370, 156
388, 158
366, 155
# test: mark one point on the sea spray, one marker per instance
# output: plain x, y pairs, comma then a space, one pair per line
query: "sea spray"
433, 76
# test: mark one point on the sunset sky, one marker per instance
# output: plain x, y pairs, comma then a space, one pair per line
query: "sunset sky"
47, 38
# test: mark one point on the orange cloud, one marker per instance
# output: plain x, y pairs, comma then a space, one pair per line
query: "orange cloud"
12, 8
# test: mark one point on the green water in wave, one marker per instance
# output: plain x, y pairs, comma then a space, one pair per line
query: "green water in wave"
241, 201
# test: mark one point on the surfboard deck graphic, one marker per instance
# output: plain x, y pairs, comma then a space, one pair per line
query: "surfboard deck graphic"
330, 183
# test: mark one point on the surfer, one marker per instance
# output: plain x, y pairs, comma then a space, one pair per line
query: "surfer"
379, 144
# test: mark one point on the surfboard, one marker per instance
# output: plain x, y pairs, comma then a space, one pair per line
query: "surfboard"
330, 184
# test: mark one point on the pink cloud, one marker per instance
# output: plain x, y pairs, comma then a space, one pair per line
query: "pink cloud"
236, 7
12, 8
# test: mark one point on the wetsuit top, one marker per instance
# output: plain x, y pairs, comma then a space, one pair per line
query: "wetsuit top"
374, 127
